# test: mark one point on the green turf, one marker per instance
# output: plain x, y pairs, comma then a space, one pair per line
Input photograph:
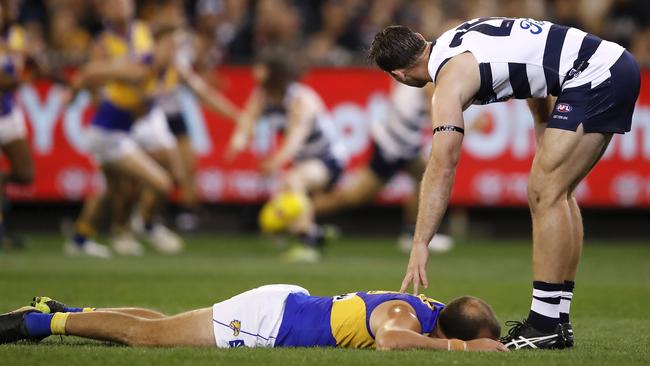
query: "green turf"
610, 313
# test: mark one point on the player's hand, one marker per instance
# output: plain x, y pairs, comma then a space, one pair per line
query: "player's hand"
486, 345
235, 147
268, 167
416, 272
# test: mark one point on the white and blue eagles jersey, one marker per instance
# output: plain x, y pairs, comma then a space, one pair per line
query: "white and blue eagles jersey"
523, 58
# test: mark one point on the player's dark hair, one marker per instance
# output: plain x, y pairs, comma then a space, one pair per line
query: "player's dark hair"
396, 47
282, 70
467, 317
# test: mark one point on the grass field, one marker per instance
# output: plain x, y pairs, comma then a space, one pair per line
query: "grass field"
610, 311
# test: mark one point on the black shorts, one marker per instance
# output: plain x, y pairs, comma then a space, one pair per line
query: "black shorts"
335, 169
177, 124
384, 168
607, 108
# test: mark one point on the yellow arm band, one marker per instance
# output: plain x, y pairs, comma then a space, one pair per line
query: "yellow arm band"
57, 325
87, 310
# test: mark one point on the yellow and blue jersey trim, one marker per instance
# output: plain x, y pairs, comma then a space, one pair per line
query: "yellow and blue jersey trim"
14, 39
111, 117
344, 321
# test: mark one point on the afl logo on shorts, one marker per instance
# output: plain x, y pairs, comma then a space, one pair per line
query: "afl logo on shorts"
564, 108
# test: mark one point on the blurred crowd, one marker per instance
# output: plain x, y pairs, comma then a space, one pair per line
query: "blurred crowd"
329, 32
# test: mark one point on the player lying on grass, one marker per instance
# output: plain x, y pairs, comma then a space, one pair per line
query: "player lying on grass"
275, 316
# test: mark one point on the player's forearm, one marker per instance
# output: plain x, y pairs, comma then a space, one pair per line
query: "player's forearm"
211, 97
220, 104
401, 339
98, 72
435, 191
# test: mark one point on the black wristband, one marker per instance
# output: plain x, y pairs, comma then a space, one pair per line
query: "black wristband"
448, 128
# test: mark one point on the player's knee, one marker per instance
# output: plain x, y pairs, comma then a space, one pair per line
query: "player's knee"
543, 194
164, 184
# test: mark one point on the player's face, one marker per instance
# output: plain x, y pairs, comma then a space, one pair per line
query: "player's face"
119, 11
408, 77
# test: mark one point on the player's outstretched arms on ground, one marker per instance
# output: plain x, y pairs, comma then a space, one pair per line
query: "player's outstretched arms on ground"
396, 326
456, 85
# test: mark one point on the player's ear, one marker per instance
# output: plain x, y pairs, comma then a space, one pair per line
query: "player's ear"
398, 75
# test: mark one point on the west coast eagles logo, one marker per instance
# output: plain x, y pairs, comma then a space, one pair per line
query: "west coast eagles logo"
235, 325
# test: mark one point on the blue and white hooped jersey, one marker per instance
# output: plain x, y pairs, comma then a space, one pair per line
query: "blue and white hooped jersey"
522, 58
323, 140
399, 132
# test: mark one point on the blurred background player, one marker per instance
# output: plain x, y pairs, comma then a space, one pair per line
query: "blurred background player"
13, 132
397, 147
189, 52
123, 66
309, 144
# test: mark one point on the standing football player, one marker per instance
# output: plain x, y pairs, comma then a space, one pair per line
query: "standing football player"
491, 60
123, 66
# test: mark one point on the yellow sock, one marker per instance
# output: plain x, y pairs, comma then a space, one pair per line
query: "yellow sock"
57, 325
85, 229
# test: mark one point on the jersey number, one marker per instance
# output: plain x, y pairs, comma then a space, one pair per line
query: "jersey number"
503, 30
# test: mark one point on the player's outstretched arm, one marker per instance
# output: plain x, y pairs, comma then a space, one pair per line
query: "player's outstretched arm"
299, 122
213, 98
457, 84
245, 124
101, 68
396, 326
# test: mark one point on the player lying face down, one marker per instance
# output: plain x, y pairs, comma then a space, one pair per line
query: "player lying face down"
275, 316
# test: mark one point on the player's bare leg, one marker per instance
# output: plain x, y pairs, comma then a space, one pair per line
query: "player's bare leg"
562, 161
188, 170
21, 172
151, 204
20, 162
138, 312
139, 166
305, 177
364, 186
189, 329
134, 167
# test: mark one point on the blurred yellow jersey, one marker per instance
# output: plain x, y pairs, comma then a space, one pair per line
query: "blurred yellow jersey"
14, 44
137, 47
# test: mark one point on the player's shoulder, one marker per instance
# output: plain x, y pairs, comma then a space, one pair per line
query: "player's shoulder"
395, 313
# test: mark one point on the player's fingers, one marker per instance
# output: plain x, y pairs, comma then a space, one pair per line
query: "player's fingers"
423, 278
406, 282
416, 282
502, 347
